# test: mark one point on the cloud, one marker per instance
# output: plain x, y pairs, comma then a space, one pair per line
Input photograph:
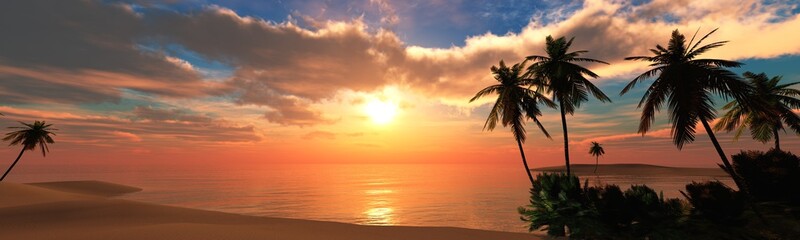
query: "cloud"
330, 135
147, 113
287, 109
285, 58
190, 126
126, 135
320, 135
282, 65
290, 67
153, 124
661, 133
84, 51
611, 31
388, 11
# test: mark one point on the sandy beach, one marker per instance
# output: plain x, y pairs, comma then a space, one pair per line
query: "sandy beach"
88, 210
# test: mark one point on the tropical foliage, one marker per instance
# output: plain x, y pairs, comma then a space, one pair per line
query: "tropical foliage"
765, 110
562, 207
558, 202
770, 176
716, 202
29, 136
515, 102
718, 212
565, 80
685, 84
596, 150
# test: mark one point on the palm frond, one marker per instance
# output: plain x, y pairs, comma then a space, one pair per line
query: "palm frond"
644, 76
596, 91
701, 39
491, 121
537, 58
589, 60
32, 135
715, 62
640, 58
518, 128
696, 52
486, 91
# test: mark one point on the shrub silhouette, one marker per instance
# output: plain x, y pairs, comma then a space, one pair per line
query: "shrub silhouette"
719, 212
770, 176
557, 204
562, 207
715, 202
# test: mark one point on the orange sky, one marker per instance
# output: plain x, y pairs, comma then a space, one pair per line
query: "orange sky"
225, 84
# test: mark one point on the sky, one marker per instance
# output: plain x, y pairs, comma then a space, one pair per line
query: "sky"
359, 81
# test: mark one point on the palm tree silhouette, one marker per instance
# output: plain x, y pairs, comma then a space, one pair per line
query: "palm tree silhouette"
771, 107
686, 84
565, 80
596, 150
515, 101
29, 136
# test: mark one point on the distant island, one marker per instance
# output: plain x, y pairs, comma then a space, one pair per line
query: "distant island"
635, 169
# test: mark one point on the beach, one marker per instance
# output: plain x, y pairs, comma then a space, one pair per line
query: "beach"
89, 210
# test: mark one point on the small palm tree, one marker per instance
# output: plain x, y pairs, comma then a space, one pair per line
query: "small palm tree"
515, 101
29, 136
772, 106
596, 150
686, 84
565, 80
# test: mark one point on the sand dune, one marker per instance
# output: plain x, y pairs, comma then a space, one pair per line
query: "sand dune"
636, 170
82, 210
96, 188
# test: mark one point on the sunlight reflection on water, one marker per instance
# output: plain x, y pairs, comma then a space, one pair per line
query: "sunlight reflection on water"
481, 196
379, 210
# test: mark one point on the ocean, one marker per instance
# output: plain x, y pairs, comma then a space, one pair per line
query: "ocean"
479, 196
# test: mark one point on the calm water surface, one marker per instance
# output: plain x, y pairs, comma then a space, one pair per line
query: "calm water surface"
481, 196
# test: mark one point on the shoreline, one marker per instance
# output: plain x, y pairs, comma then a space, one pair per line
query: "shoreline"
635, 170
87, 210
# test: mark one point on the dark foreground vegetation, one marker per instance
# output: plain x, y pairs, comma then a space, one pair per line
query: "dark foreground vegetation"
766, 204
769, 209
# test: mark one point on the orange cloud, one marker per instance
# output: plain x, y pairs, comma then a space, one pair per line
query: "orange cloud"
126, 135
661, 133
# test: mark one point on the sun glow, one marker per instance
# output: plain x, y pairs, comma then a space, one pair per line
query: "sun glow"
381, 111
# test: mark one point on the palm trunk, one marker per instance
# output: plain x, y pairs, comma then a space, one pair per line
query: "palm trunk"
566, 137
596, 162
735, 177
722, 155
12, 165
525, 161
777, 139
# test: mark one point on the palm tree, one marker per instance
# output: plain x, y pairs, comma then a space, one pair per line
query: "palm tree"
772, 106
596, 150
565, 80
686, 84
515, 101
29, 136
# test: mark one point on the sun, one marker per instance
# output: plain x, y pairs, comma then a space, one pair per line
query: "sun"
381, 111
